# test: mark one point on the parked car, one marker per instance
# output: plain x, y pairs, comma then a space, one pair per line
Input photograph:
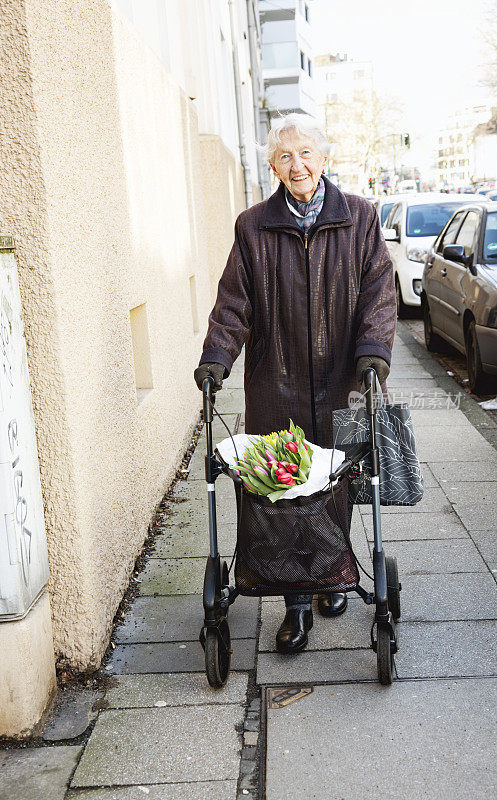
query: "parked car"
384, 205
410, 229
459, 289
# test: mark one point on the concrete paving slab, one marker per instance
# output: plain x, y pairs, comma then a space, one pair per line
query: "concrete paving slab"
165, 576
70, 715
478, 517
38, 772
424, 382
158, 745
447, 749
471, 492
446, 649
174, 657
448, 444
194, 507
486, 542
407, 526
186, 688
192, 539
350, 630
433, 500
437, 556
436, 418
230, 401
466, 596
464, 471
429, 479
179, 618
318, 666
193, 790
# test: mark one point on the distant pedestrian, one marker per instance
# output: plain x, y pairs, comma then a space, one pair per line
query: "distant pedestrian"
309, 289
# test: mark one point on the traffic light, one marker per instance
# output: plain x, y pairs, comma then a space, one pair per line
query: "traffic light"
407, 140
371, 183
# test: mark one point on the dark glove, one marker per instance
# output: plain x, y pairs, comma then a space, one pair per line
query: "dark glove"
217, 372
379, 365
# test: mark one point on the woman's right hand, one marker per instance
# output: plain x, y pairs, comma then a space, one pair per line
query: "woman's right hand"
216, 371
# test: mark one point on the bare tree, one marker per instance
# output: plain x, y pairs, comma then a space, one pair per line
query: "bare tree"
362, 129
488, 33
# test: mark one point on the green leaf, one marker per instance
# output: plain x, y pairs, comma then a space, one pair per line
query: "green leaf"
274, 496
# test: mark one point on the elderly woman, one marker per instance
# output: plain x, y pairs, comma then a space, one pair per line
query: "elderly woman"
308, 288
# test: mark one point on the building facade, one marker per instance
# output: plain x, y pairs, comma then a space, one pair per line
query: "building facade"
344, 89
456, 164
130, 149
287, 56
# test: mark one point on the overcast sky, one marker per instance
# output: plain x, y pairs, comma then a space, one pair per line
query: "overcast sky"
427, 52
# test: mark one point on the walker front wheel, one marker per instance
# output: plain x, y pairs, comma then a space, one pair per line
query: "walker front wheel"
218, 653
393, 586
384, 656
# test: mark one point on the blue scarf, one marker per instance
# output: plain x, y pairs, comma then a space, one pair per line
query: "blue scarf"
307, 213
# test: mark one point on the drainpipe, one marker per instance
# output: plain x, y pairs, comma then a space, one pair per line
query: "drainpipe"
239, 116
256, 96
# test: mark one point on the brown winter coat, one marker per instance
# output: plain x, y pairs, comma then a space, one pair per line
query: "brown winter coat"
306, 308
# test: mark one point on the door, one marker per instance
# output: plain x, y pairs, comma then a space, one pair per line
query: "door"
436, 272
455, 281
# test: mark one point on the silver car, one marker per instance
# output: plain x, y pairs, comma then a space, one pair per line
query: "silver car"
459, 290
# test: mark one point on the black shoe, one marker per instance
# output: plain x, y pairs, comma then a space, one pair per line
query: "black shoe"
292, 635
332, 604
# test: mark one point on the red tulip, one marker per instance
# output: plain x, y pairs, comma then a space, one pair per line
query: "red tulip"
281, 471
293, 468
287, 479
293, 447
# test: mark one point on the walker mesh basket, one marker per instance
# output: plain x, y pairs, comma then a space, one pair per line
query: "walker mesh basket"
300, 545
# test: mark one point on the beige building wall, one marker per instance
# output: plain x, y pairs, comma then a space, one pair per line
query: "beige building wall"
104, 189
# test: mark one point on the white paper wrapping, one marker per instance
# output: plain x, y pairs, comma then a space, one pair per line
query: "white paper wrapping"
319, 474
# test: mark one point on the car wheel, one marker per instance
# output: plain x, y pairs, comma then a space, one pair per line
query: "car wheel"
434, 343
401, 306
476, 376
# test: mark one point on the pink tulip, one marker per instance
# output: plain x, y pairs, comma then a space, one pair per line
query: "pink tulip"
261, 470
293, 447
248, 488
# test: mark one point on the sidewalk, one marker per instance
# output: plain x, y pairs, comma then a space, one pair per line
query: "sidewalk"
160, 732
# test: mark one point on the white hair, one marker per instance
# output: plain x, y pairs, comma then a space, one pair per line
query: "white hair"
303, 124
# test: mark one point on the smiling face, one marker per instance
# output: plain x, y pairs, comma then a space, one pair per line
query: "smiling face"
298, 163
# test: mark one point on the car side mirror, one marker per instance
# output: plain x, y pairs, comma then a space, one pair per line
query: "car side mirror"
391, 235
455, 252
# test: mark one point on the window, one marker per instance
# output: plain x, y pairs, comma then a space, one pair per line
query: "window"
428, 219
141, 351
358, 74
490, 243
393, 219
302, 60
306, 13
466, 235
385, 211
309, 68
450, 232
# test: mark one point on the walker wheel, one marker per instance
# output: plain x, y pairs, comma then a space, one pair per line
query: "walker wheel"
384, 656
218, 653
393, 586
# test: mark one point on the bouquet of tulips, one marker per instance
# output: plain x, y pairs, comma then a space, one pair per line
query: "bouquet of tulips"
275, 462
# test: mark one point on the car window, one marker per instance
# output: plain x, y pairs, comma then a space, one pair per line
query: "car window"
429, 218
450, 233
467, 232
385, 211
490, 242
393, 220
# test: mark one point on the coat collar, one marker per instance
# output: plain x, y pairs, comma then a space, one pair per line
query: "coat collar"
335, 210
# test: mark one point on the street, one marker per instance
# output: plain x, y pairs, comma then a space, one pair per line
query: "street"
316, 725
